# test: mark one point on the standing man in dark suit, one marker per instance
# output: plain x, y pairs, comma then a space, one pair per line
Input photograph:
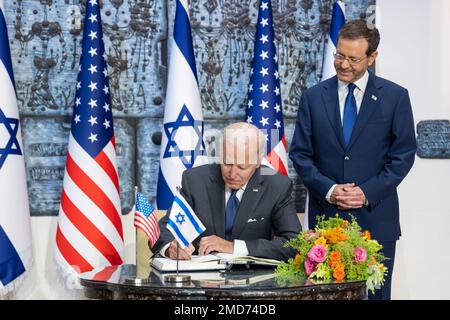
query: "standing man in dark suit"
246, 209
354, 142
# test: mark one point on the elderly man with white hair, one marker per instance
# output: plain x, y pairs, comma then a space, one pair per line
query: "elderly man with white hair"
247, 208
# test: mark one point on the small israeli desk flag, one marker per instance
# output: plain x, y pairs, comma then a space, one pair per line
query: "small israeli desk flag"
183, 223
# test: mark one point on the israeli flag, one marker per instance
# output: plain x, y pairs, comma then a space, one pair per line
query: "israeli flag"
337, 21
182, 145
16, 255
183, 223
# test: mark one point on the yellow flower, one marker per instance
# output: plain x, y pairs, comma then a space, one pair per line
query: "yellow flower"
297, 260
366, 235
321, 241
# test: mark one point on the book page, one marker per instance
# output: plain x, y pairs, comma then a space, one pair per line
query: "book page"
229, 257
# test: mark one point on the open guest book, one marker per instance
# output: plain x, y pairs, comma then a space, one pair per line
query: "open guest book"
216, 261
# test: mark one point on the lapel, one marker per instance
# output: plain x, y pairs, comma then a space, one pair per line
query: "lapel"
250, 199
331, 103
369, 105
216, 196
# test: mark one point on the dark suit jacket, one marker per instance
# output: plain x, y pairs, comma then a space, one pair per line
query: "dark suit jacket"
379, 155
267, 199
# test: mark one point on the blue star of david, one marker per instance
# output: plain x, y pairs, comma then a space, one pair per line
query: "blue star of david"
180, 218
12, 146
184, 119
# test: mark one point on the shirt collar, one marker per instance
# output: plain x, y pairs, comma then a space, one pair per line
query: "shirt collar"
361, 83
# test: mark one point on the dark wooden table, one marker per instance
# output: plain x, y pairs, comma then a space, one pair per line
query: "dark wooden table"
234, 284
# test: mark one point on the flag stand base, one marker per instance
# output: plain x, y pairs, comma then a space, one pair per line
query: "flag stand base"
174, 278
136, 281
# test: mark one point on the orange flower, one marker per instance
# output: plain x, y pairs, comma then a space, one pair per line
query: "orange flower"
366, 235
335, 258
344, 223
336, 235
339, 273
382, 267
372, 261
342, 237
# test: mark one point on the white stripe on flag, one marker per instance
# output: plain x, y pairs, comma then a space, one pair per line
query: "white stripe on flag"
92, 169
84, 247
92, 212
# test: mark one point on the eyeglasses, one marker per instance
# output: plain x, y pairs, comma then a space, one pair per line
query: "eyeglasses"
351, 61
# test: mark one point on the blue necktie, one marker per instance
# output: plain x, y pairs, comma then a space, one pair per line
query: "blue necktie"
232, 207
350, 113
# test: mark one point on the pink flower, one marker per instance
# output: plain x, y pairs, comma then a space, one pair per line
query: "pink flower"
360, 254
310, 266
318, 253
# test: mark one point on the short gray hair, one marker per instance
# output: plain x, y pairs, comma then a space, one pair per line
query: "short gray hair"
241, 133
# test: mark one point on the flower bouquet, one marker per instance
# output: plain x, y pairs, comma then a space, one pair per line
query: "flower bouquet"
337, 249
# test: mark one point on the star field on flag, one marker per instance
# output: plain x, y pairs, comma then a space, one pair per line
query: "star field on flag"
264, 108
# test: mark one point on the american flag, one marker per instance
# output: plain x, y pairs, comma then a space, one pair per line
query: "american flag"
264, 108
145, 218
89, 233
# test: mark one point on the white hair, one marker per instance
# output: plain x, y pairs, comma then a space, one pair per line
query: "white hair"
242, 134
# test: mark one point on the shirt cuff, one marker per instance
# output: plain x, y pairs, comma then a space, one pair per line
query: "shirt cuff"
328, 196
163, 250
240, 248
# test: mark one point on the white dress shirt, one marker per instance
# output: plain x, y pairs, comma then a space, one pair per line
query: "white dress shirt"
361, 85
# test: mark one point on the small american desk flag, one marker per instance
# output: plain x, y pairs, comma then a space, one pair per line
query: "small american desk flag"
145, 218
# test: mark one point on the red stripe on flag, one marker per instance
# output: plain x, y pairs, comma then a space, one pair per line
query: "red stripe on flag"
89, 230
104, 162
91, 190
149, 235
283, 139
105, 274
71, 255
148, 226
145, 226
276, 162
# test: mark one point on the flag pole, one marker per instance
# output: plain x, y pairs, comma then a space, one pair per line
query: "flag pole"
136, 279
177, 278
178, 247
136, 229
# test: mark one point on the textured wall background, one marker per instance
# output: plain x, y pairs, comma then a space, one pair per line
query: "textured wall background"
45, 37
